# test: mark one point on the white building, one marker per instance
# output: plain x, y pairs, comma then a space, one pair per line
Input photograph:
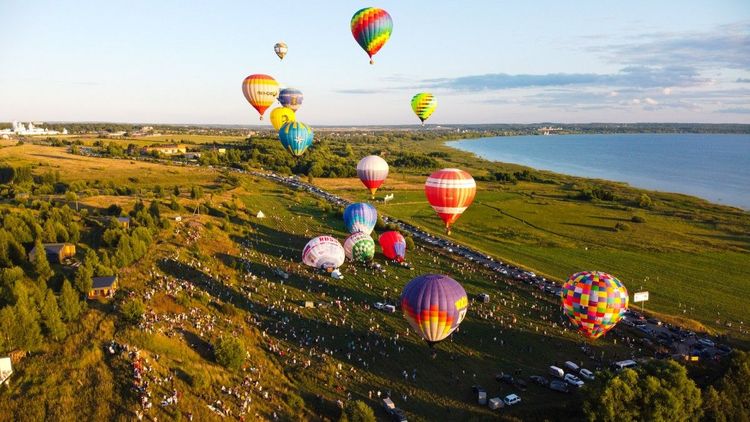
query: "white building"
19, 128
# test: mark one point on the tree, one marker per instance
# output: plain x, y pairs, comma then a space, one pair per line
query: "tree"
133, 311
51, 318
41, 264
729, 400
26, 333
230, 352
83, 278
357, 411
153, 209
70, 305
196, 192
660, 391
176, 191
645, 201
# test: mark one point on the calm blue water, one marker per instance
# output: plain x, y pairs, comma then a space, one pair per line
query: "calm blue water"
714, 167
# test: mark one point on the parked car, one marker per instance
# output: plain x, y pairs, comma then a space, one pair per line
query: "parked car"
653, 321
540, 380
389, 308
571, 367
520, 384
560, 386
706, 342
378, 305
398, 415
503, 377
586, 374
557, 372
573, 380
511, 399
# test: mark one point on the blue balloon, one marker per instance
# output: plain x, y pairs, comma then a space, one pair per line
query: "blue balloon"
291, 97
296, 137
360, 217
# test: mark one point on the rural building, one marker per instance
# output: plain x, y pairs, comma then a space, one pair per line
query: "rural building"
124, 222
167, 149
260, 215
56, 252
6, 369
192, 155
103, 287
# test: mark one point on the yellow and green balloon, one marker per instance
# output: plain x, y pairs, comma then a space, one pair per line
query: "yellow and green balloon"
423, 104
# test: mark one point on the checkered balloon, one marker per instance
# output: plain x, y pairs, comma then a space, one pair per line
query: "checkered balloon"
594, 302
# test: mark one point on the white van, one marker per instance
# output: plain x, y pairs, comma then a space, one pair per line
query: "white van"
619, 366
389, 308
571, 367
556, 372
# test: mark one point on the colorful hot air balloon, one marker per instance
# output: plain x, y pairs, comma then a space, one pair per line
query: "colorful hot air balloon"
423, 105
359, 246
434, 305
393, 245
360, 217
450, 192
260, 91
371, 28
594, 302
280, 49
281, 116
296, 137
291, 97
372, 171
324, 252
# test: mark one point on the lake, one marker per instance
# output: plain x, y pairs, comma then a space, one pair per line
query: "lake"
710, 166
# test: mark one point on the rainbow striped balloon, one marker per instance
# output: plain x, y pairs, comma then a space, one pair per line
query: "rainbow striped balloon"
260, 91
371, 28
594, 302
423, 105
434, 305
450, 192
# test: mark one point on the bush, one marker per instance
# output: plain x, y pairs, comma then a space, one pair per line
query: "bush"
357, 411
638, 219
133, 311
622, 227
230, 352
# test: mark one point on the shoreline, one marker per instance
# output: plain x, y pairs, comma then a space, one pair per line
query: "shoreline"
602, 180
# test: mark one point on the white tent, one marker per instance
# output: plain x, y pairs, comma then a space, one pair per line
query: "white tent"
260, 215
5, 370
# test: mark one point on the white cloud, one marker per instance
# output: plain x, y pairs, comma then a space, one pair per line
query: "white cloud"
614, 93
667, 91
635, 101
650, 101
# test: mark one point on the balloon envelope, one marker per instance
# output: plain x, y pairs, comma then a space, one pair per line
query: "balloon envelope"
393, 245
360, 217
372, 171
296, 137
359, 247
323, 252
260, 91
280, 49
423, 104
594, 302
450, 192
434, 305
291, 98
281, 116
371, 28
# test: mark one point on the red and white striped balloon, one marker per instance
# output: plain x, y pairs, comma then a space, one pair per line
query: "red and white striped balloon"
372, 171
450, 192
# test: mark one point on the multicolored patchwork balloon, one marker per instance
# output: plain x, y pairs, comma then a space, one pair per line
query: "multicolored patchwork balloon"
372, 171
281, 116
359, 247
423, 105
450, 192
360, 217
291, 97
594, 302
296, 137
393, 245
371, 28
324, 252
260, 91
280, 49
434, 305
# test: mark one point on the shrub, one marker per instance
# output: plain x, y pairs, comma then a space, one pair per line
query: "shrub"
230, 352
622, 227
638, 219
133, 311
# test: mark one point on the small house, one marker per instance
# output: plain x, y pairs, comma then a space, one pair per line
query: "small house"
56, 252
495, 403
103, 287
309, 304
124, 222
6, 369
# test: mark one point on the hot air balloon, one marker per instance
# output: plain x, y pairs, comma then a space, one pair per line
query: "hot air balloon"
372, 171
423, 105
281, 116
360, 217
324, 252
291, 97
260, 91
359, 246
393, 245
434, 305
594, 302
371, 28
280, 49
450, 192
296, 137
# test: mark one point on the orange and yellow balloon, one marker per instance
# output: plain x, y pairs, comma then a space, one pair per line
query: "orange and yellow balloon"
260, 91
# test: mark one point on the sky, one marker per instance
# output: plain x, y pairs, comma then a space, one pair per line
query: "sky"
486, 61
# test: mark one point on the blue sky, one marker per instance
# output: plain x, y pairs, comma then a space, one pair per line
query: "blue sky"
486, 61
